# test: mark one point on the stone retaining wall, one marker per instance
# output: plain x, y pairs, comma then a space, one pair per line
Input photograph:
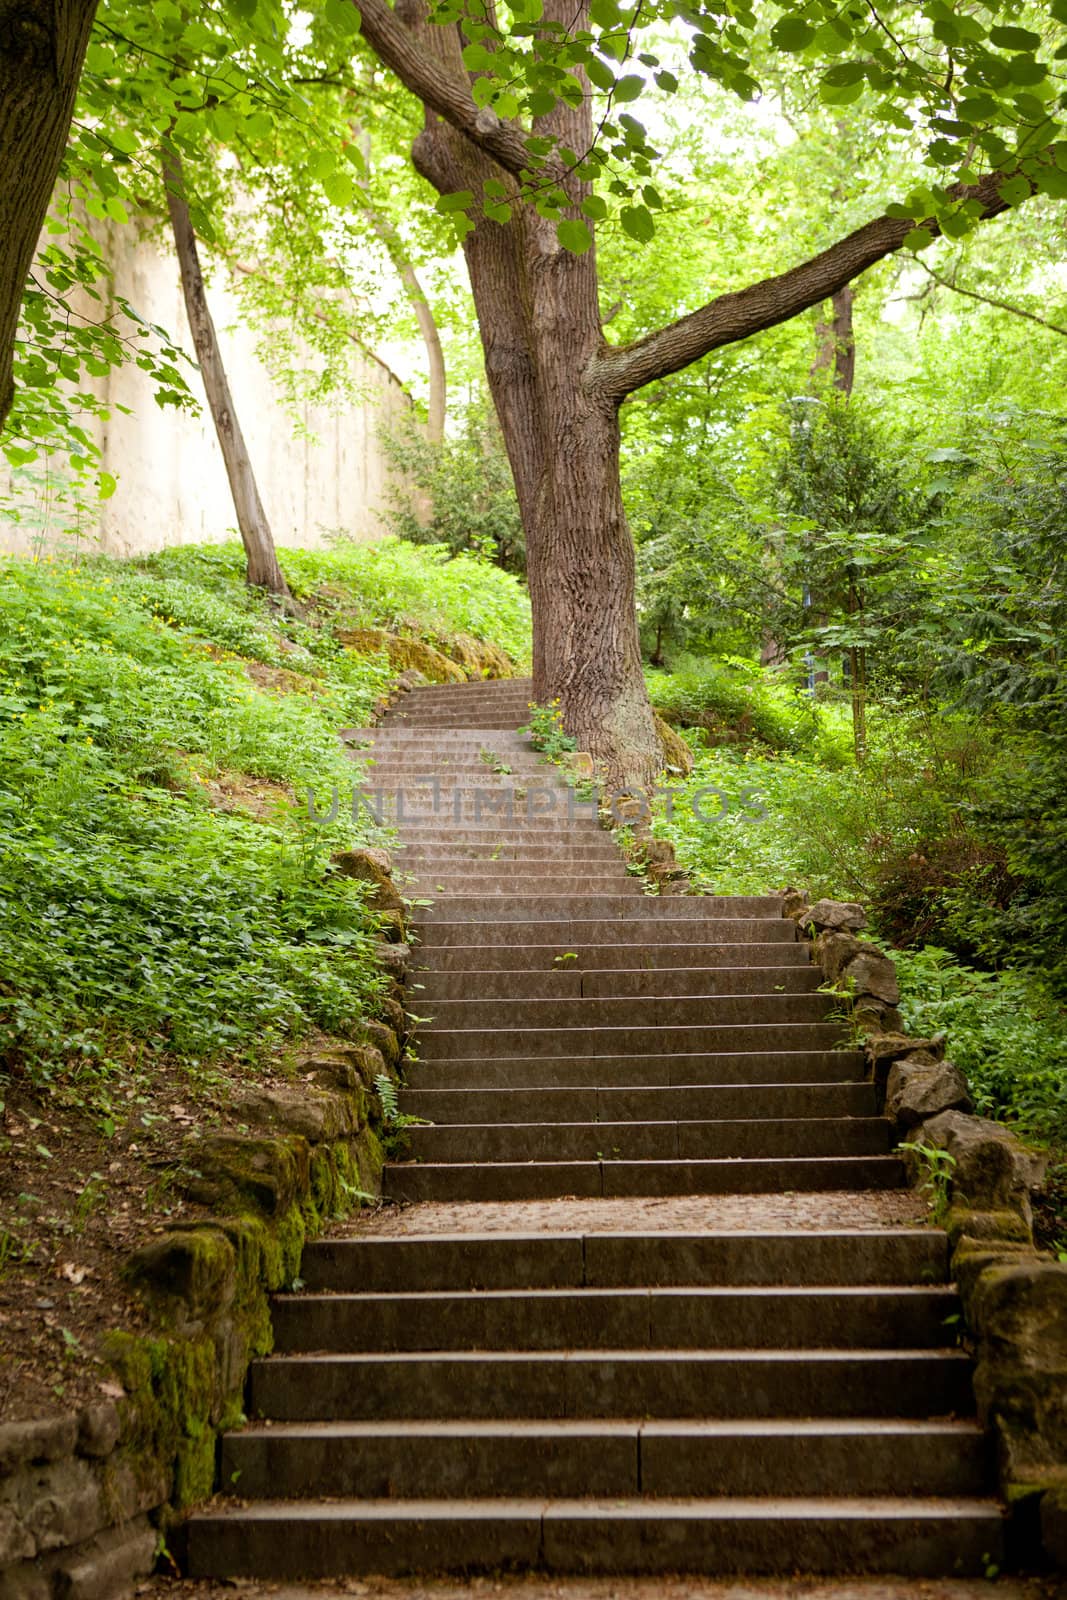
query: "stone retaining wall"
981, 1178
87, 1500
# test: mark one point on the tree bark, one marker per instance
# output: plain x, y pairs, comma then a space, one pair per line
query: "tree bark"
263, 571
836, 342
539, 319
42, 47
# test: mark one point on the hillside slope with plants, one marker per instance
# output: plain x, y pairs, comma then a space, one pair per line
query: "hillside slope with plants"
172, 927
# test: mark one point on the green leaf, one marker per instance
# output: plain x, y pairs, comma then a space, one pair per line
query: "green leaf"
459, 201
918, 239
339, 189
667, 82
1014, 38
792, 34
628, 88
540, 103
599, 73
956, 225
1052, 181
106, 484
476, 58
574, 236
1014, 190
595, 206
637, 221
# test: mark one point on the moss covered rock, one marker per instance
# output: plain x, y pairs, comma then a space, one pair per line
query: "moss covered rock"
370, 867
677, 756
478, 657
404, 653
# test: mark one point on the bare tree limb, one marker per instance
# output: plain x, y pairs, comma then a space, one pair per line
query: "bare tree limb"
988, 299
618, 372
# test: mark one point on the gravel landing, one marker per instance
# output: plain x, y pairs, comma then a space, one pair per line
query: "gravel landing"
535, 1588
892, 1208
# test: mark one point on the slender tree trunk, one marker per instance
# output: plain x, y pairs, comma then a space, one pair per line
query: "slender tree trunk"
836, 342
42, 47
263, 570
431, 338
857, 664
395, 248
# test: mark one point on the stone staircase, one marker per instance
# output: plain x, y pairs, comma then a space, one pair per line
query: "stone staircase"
491, 1392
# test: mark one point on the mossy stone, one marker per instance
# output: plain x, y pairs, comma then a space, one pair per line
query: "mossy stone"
195, 1267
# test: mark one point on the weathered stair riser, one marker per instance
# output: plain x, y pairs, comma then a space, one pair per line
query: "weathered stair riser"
639, 1402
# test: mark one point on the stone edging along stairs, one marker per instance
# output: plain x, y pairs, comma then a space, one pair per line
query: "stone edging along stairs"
580, 1399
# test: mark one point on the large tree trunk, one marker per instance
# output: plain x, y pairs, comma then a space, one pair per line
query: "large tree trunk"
42, 47
539, 319
263, 570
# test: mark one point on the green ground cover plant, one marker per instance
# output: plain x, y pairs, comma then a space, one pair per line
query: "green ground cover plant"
162, 890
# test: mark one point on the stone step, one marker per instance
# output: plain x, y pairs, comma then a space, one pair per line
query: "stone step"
867, 1456
616, 1382
759, 1139
655, 1318
686, 1103
569, 981
480, 722
441, 740
581, 907
632, 1012
466, 776
734, 1258
451, 713
602, 872
516, 830
443, 1044
525, 880
559, 851
285, 1540
650, 928
575, 956
457, 694
753, 1068
589, 1180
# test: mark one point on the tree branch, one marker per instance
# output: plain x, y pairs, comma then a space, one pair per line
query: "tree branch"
731, 317
988, 299
397, 47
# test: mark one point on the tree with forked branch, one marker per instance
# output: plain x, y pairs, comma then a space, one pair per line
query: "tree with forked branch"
556, 382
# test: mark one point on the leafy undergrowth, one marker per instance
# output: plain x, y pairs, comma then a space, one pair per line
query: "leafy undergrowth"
170, 920
775, 799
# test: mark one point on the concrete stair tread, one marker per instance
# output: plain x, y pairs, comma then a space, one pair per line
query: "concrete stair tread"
540, 1180
715, 1291
657, 1122
624, 1356
613, 1427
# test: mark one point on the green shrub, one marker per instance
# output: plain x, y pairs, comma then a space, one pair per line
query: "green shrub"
161, 888
417, 589
735, 701
1006, 1032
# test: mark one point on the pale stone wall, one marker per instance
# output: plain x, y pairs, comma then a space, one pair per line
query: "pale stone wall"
172, 486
